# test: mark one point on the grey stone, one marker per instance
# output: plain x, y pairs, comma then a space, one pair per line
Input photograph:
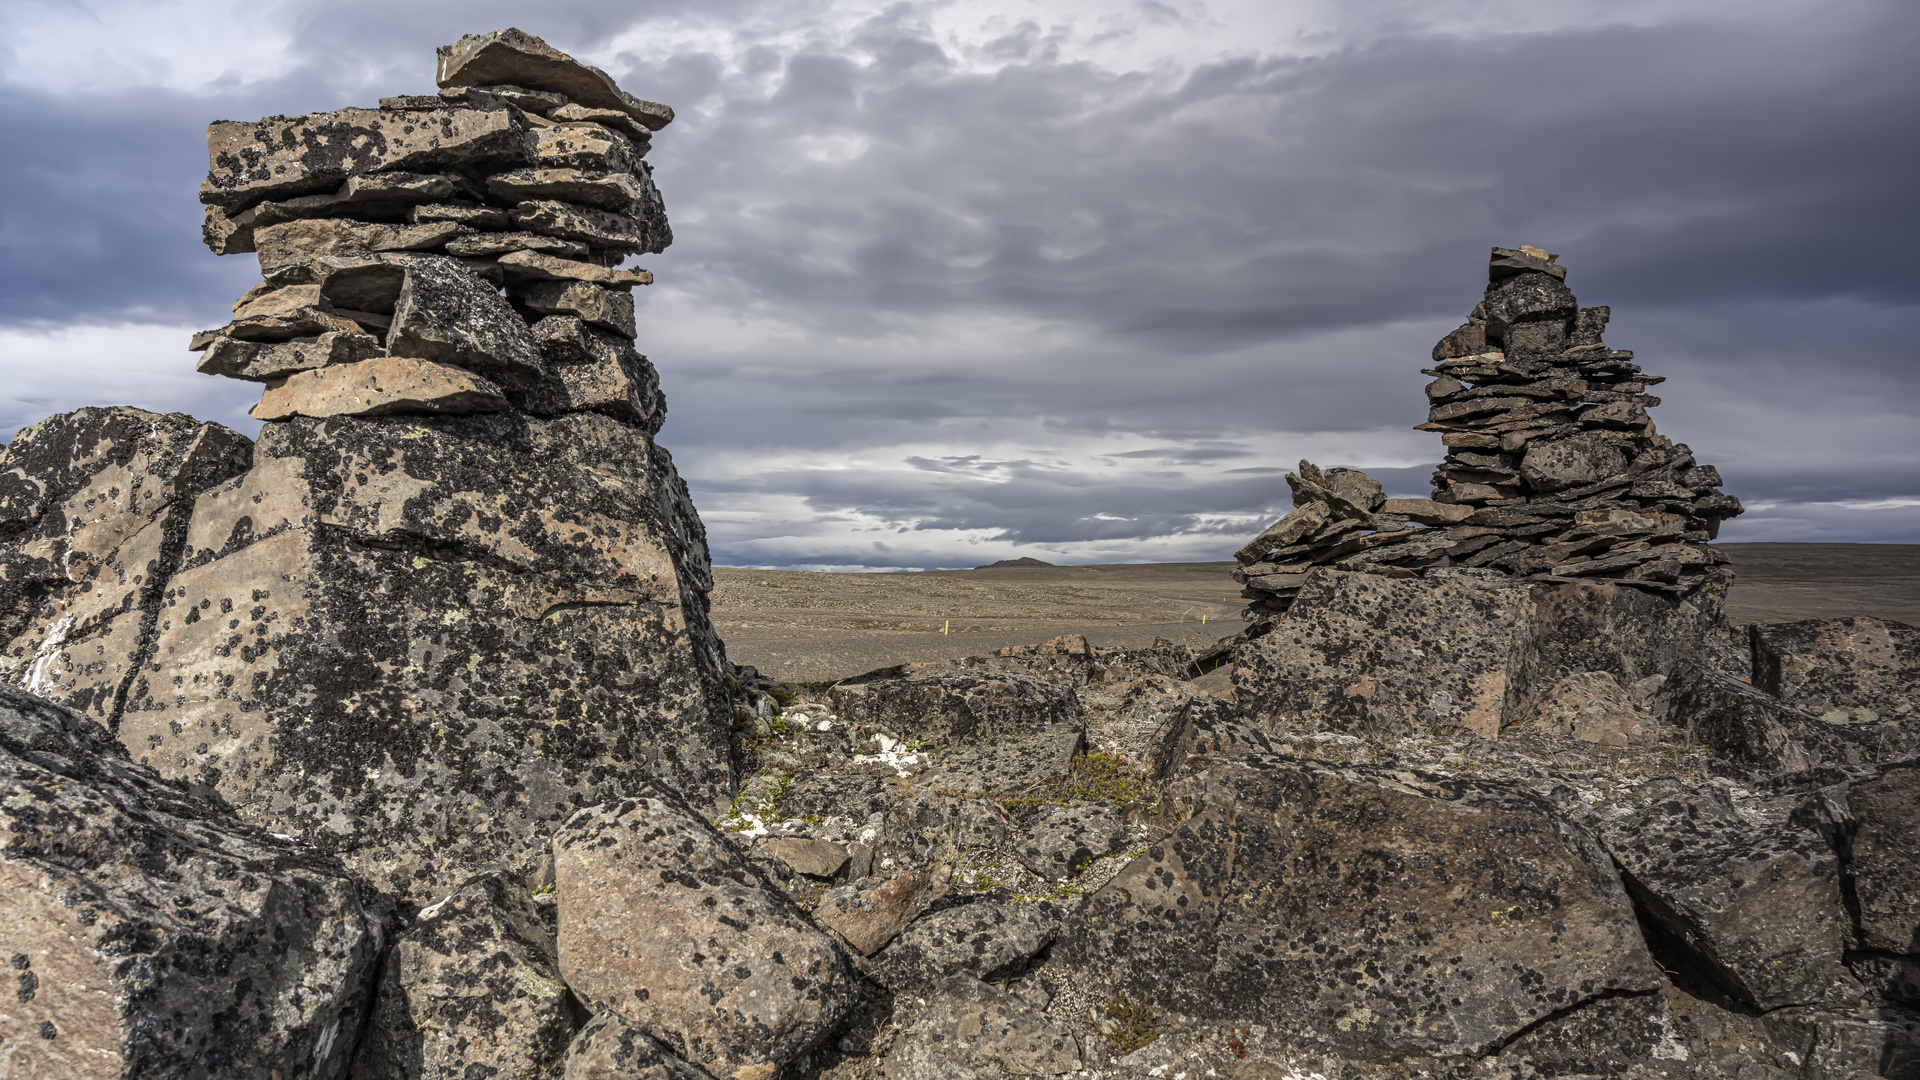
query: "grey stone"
534, 101
1507, 262
606, 309
869, 917
485, 245
1205, 730
368, 197
1591, 706
1884, 863
523, 266
575, 115
1524, 298
1061, 841
154, 935
1845, 671
1742, 725
284, 156
599, 228
615, 191
471, 985
814, 858
610, 1048
445, 314
1756, 906
278, 245
665, 923
1587, 458
1382, 913
590, 146
473, 217
970, 1028
520, 59
263, 362
382, 386
986, 940
527, 665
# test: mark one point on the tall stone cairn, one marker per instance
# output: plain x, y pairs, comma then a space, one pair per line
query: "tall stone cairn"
1553, 471
455, 592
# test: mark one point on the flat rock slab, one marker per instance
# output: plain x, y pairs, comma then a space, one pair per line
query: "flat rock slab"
151, 933
662, 921
973, 1028
472, 984
1384, 913
517, 58
869, 918
380, 387
983, 939
1060, 841
814, 858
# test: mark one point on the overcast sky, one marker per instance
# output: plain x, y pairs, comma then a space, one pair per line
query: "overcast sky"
955, 282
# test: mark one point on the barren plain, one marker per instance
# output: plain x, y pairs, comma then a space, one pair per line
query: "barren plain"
801, 626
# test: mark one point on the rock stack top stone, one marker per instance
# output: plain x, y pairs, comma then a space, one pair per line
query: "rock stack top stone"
1554, 470
511, 59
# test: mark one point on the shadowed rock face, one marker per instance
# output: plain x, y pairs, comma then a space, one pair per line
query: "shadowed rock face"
152, 934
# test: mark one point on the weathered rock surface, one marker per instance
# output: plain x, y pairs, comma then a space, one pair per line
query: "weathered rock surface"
610, 1048
1886, 860
985, 940
870, 917
93, 512
379, 387
518, 58
1593, 707
261, 362
1845, 671
471, 989
1383, 913
971, 1028
1756, 905
445, 313
1061, 841
423, 641
151, 934
662, 921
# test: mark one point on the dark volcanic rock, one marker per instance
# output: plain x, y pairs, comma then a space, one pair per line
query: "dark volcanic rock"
663, 922
1382, 913
473, 984
154, 935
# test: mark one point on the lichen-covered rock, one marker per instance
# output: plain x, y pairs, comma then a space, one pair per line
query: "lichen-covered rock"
424, 642
870, 917
151, 934
1855, 670
283, 156
447, 314
517, 58
471, 989
986, 940
1757, 906
610, 1048
973, 1029
1593, 707
381, 386
1206, 730
1060, 841
1388, 655
93, 512
1384, 914
662, 921
1885, 860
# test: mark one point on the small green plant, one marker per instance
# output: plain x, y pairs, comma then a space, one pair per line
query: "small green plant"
1131, 1024
742, 719
545, 890
785, 699
779, 726
1101, 775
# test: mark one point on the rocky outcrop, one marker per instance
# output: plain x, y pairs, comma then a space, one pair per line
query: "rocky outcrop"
455, 591
153, 934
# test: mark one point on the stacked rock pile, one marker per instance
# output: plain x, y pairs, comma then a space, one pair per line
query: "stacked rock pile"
1553, 468
385, 237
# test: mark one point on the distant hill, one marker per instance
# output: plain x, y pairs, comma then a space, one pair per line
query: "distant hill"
1022, 561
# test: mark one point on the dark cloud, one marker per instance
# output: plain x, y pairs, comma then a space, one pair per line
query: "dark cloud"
996, 289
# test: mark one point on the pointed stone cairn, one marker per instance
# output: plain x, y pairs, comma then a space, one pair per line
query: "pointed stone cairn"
385, 237
1553, 468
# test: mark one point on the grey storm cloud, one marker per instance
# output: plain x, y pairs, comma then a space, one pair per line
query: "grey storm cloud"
998, 288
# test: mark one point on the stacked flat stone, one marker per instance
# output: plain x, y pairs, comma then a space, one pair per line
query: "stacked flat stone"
1553, 468
385, 237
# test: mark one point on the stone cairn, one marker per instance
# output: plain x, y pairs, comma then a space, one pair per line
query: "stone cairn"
384, 236
1554, 470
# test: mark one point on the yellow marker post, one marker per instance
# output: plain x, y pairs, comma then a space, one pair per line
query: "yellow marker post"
946, 626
